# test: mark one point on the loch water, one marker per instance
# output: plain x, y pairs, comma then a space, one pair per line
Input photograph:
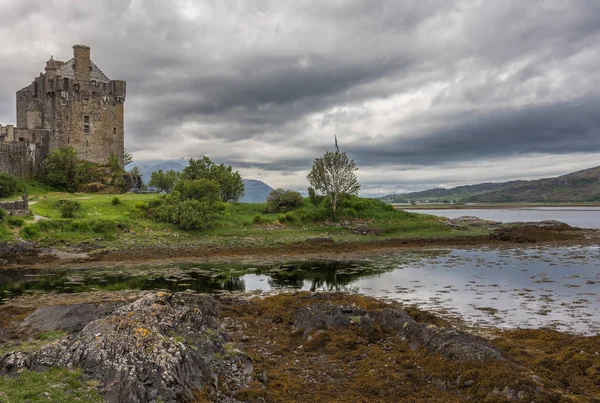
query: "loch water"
548, 287
581, 217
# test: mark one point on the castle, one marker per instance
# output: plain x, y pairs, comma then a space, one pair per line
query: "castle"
72, 104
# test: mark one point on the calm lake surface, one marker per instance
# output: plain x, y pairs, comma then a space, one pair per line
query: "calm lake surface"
582, 217
506, 288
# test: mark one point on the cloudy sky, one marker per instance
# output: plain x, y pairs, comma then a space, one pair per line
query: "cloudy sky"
420, 93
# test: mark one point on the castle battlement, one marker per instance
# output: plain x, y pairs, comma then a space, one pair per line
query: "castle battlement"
73, 103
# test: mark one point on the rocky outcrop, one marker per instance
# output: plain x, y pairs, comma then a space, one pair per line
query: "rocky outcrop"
132, 182
530, 232
68, 318
449, 343
162, 347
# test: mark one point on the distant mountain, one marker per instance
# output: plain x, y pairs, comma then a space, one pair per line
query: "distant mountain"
581, 186
255, 190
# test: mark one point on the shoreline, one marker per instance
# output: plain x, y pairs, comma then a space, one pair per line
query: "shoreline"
494, 206
34, 257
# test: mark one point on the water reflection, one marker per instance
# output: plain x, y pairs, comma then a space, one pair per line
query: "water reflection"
529, 287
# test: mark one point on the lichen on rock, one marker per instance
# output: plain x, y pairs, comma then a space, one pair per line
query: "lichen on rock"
156, 347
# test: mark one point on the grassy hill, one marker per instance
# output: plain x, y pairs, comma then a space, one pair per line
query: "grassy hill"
441, 195
581, 186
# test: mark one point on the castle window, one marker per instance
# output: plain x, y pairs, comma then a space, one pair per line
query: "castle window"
86, 124
65, 83
114, 131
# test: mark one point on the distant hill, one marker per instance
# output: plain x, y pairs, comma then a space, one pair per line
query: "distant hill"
442, 195
255, 190
581, 186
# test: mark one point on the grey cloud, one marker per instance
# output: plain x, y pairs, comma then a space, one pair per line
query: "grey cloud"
520, 77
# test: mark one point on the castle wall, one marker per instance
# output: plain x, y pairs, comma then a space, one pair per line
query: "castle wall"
16, 207
23, 159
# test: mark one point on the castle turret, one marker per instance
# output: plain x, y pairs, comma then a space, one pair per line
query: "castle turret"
83, 63
51, 67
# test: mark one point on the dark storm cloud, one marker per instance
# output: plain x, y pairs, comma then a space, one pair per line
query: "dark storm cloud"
265, 85
558, 128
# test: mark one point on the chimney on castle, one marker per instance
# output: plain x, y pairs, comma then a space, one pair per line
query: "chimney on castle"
83, 64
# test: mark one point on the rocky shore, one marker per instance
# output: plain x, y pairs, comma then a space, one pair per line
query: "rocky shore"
328, 347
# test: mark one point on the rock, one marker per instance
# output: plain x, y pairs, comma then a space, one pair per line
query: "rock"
68, 318
449, 343
13, 362
474, 222
161, 347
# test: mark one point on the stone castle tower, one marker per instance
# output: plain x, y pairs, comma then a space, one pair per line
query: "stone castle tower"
72, 104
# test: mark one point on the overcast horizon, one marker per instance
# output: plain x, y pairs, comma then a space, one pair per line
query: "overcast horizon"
420, 94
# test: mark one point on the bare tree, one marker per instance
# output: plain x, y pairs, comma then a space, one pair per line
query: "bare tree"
333, 175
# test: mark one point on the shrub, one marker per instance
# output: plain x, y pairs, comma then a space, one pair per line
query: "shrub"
9, 185
15, 221
115, 201
195, 214
3, 215
4, 233
68, 208
30, 231
260, 219
198, 189
80, 226
103, 225
187, 214
280, 201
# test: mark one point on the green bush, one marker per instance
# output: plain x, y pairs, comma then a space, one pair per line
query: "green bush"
103, 225
55, 225
115, 201
68, 208
141, 211
15, 221
3, 215
280, 201
31, 231
260, 219
196, 214
4, 233
198, 189
9, 185
80, 226
187, 214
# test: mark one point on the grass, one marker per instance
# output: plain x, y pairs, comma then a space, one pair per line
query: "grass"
107, 224
56, 385
33, 345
